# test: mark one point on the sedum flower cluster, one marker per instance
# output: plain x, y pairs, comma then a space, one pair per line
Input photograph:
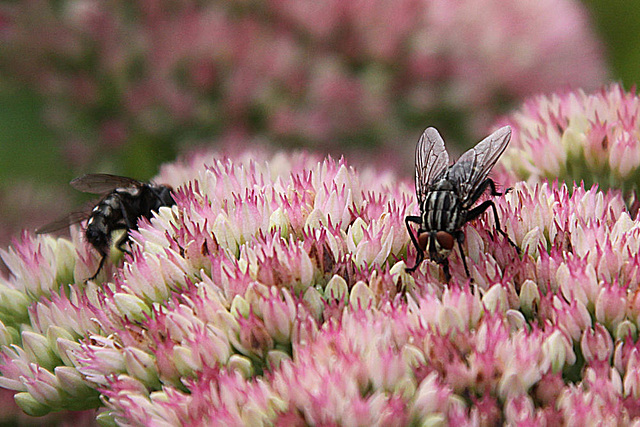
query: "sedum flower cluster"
577, 136
275, 293
125, 76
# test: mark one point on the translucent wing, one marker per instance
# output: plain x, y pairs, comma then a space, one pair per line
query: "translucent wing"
100, 183
431, 161
473, 167
63, 223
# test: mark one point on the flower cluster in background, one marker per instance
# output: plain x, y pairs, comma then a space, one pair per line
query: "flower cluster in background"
127, 80
27, 206
576, 136
275, 293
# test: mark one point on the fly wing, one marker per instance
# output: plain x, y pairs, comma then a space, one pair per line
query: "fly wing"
431, 161
63, 223
100, 183
473, 167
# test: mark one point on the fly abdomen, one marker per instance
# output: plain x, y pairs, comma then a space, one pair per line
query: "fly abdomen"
442, 211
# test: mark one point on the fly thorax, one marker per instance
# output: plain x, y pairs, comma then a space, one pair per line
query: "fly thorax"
441, 211
132, 191
110, 204
443, 185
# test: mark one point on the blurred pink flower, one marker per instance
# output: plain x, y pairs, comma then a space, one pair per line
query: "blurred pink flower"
25, 205
327, 75
576, 136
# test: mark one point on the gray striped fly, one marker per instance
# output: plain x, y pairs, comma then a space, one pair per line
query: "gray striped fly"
447, 195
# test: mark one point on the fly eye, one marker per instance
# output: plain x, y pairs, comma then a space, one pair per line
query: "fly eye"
445, 240
423, 241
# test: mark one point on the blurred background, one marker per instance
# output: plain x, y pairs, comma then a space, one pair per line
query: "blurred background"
121, 87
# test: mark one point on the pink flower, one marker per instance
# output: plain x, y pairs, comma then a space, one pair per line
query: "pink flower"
597, 345
325, 74
247, 303
576, 136
36, 263
598, 397
610, 305
572, 318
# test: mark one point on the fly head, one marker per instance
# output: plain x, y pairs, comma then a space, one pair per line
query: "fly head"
438, 244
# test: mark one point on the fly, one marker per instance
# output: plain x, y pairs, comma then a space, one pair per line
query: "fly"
124, 201
446, 194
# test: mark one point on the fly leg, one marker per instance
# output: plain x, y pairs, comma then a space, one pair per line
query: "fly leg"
445, 268
460, 239
479, 210
479, 191
123, 239
119, 244
126, 226
420, 255
102, 260
127, 222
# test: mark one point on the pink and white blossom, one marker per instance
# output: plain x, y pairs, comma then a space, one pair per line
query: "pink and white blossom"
276, 292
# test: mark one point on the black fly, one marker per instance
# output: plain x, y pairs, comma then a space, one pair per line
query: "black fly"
446, 194
125, 200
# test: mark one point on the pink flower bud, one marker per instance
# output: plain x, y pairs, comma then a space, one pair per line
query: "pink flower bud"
596, 344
